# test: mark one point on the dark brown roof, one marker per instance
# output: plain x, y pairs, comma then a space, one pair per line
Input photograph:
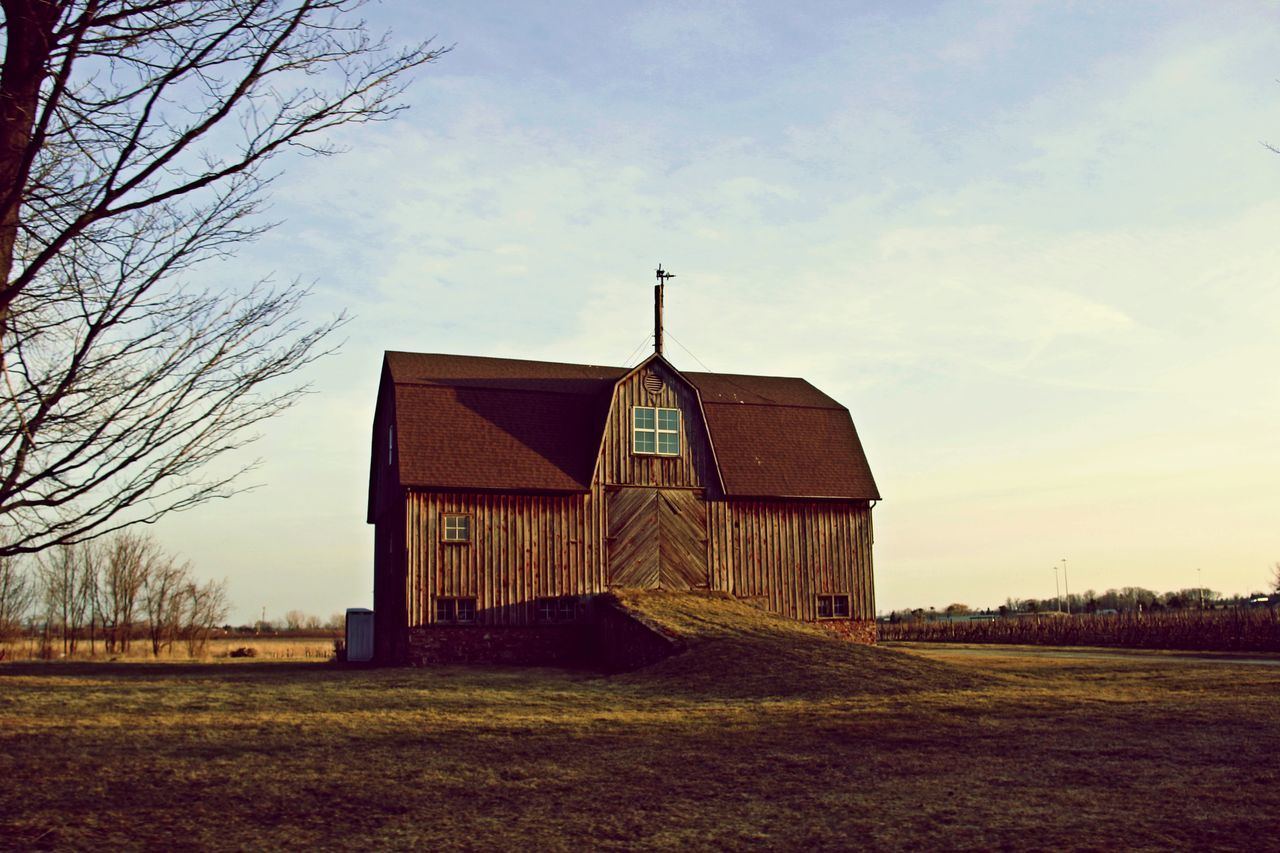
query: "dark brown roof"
497, 423
489, 423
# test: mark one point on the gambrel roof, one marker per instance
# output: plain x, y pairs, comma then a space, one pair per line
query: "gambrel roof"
475, 423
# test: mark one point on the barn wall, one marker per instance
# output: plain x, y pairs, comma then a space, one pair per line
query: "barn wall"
389, 584
779, 554
522, 547
782, 554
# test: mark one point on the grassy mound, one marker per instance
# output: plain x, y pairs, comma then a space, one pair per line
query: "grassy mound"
736, 650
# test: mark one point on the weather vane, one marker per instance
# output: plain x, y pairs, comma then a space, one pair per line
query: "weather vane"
657, 308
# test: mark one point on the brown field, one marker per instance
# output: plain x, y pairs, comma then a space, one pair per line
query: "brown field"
1234, 630
762, 734
218, 648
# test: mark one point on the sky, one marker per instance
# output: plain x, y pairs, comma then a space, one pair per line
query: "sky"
1031, 246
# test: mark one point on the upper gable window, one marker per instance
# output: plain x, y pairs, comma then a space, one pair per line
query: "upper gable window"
655, 430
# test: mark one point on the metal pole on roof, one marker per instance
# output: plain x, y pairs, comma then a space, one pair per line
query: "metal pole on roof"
657, 307
1057, 589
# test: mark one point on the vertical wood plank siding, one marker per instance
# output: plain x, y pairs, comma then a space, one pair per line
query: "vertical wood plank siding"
783, 554
522, 547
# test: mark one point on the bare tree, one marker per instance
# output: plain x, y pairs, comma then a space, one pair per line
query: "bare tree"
1275, 577
91, 567
294, 619
17, 594
128, 556
136, 141
204, 606
61, 572
163, 587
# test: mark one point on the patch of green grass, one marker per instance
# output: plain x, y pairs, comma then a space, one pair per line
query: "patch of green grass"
763, 733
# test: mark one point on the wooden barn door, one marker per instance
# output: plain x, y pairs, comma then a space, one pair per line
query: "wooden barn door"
682, 540
657, 539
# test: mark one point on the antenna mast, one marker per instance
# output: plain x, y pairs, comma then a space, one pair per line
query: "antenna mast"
657, 307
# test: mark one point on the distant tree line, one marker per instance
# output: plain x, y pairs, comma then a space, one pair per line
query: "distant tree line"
294, 622
1126, 600
111, 591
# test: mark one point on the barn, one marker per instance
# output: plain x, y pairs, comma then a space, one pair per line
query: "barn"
507, 494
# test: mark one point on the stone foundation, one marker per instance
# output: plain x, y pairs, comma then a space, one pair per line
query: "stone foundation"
516, 645
609, 637
863, 632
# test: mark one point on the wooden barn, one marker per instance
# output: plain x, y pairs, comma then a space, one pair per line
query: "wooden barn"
505, 494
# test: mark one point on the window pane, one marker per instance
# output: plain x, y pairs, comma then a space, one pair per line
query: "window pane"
444, 609
457, 528
668, 442
546, 609
824, 607
668, 419
566, 609
466, 610
643, 417
841, 605
645, 442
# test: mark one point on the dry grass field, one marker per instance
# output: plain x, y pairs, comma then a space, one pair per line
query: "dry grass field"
269, 648
762, 734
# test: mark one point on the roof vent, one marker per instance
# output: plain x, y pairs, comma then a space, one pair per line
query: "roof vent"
652, 383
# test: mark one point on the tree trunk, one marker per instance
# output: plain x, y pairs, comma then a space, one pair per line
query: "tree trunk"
29, 28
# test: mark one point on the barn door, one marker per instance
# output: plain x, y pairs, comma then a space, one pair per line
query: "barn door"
682, 540
633, 538
657, 539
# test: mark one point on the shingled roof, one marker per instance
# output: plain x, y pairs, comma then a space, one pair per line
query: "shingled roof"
467, 422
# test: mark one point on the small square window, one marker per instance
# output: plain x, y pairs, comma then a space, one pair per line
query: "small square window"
466, 610
457, 528
455, 610
833, 607
563, 609
546, 609
445, 609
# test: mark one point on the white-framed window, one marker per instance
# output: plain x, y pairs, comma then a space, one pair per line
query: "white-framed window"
833, 607
563, 609
655, 431
457, 528
455, 610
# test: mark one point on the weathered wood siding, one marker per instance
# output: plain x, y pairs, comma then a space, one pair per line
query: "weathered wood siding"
657, 539
523, 547
618, 466
783, 554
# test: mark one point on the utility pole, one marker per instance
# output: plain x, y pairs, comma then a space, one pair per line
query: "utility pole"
1057, 590
1066, 585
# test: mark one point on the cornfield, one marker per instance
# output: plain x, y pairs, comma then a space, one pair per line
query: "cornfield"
1235, 630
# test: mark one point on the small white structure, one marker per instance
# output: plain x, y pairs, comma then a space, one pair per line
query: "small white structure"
359, 634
